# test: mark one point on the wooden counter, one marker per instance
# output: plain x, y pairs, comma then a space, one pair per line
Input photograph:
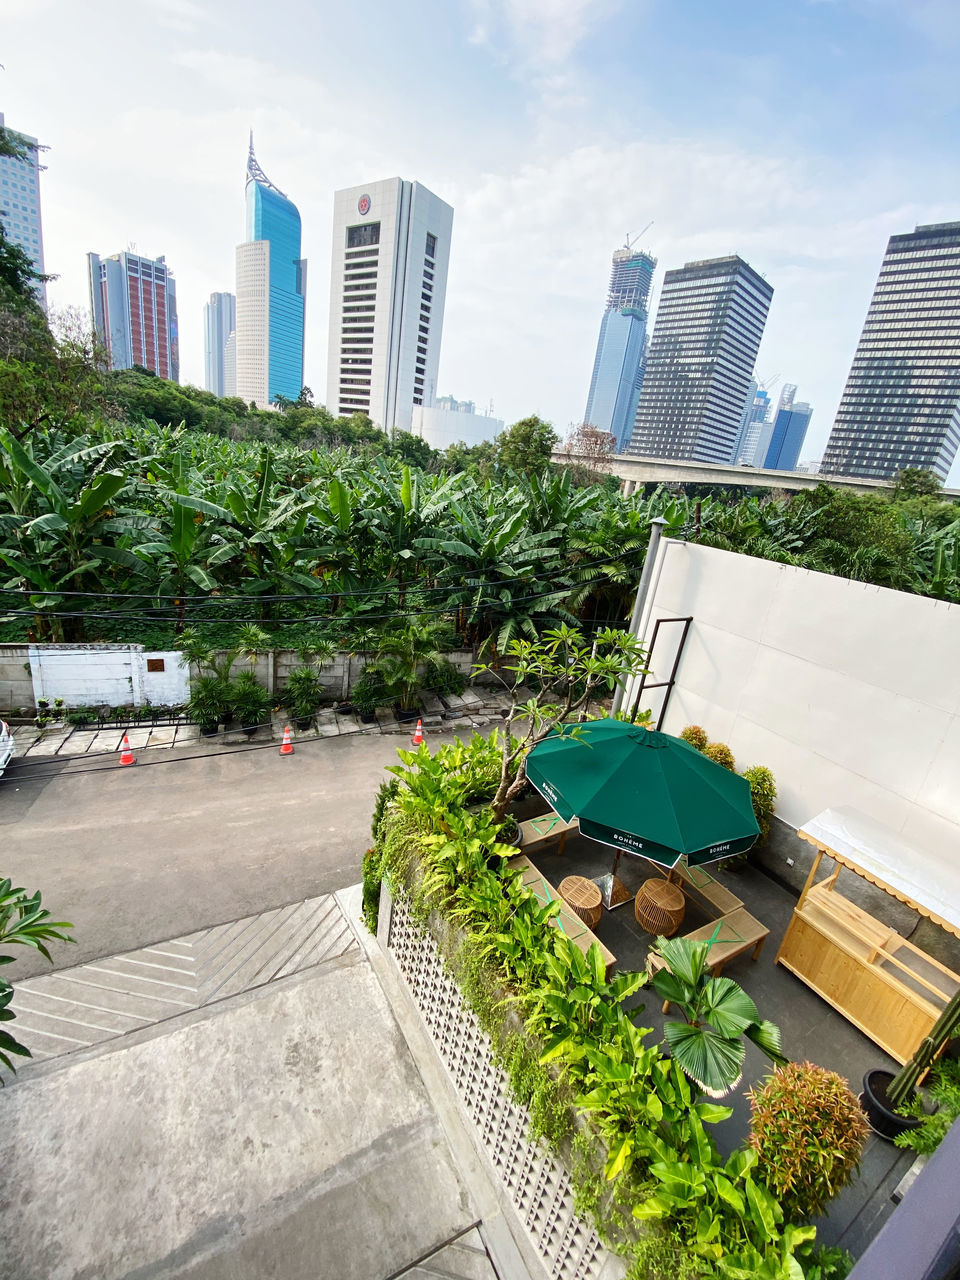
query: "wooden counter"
883, 984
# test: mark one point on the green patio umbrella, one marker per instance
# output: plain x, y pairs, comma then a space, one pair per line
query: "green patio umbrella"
644, 793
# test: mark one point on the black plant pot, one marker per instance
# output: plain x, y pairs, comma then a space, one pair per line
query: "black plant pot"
406, 715
303, 722
209, 730
250, 729
882, 1117
368, 717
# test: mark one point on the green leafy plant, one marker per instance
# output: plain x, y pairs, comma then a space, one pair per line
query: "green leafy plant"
943, 1087
209, 702
403, 653
303, 693
763, 795
250, 700
720, 754
809, 1132
904, 1084
821, 1262
696, 736
369, 691
23, 922
441, 676
718, 1012
81, 716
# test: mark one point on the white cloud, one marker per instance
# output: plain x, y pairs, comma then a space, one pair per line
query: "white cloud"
538, 33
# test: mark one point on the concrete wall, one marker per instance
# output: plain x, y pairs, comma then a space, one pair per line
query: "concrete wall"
849, 693
90, 675
16, 681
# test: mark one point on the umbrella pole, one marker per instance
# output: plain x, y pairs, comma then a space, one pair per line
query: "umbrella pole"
607, 885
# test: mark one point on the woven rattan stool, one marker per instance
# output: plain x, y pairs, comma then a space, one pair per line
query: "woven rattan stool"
583, 898
659, 907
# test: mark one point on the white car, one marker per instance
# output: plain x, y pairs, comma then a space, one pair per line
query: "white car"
6, 745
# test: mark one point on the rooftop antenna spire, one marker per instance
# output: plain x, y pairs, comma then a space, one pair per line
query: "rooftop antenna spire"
256, 174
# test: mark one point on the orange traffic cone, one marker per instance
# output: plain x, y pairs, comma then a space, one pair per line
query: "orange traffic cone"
126, 755
418, 736
286, 747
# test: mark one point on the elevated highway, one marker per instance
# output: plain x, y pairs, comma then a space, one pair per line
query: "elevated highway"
635, 472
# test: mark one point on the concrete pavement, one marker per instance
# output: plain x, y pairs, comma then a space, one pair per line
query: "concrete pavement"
136, 855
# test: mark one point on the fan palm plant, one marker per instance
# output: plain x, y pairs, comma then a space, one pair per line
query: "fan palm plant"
709, 1046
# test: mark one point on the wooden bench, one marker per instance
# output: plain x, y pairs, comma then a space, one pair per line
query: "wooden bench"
701, 888
537, 834
566, 920
736, 932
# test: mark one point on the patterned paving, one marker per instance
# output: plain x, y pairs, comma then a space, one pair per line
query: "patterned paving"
465, 1258
61, 1012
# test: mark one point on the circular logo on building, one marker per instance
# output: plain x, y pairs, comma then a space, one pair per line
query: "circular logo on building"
363, 204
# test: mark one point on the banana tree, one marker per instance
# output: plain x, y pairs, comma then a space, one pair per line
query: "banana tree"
709, 1046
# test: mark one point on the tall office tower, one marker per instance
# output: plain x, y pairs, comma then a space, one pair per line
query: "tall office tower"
901, 405
271, 294
708, 328
230, 365
621, 349
753, 435
20, 201
134, 305
786, 439
388, 283
219, 322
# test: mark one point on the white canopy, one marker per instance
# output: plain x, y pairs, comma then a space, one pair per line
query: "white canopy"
925, 881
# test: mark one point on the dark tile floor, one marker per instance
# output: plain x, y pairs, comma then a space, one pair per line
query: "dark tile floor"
811, 1028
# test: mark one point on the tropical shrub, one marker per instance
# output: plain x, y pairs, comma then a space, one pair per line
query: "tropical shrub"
209, 702
441, 676
763, 794
720, 754
809, 1132
303, 692
696, 736
249, 700
23, 922
943, 1087
369, 690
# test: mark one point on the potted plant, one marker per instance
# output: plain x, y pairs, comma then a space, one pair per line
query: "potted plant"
250, 701
402, 654
302, 694
884, 1094
207, 704
368, 693
80, 717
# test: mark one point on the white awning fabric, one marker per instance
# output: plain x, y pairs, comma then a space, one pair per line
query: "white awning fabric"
925, 881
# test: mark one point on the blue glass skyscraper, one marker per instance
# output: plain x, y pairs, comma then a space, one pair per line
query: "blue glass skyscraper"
790, 428
271, 294
621, 349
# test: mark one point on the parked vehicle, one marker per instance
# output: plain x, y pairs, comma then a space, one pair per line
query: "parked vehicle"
6, 745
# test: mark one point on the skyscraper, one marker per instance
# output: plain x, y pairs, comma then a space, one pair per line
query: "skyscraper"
271, 294
20, 202
786, 439
219, 322
388, 284
753, 435
709, 324
901, 405
621, 349
134, 305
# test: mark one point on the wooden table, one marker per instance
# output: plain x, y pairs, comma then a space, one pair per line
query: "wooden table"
659, 907
568, 923
583, 898
537, 834
729, 937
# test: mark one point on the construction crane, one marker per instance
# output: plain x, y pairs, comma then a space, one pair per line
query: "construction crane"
630, 243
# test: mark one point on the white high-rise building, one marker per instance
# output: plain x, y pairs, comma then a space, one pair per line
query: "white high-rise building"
219, 322
388, 283
20, 202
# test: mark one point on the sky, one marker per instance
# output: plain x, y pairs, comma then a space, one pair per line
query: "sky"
800, 134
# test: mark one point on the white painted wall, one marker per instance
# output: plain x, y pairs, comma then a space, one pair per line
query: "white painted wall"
92, 675
850, 693
443, 427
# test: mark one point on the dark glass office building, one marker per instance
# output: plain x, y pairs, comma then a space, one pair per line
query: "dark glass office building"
708, 328
901, 405
619, 363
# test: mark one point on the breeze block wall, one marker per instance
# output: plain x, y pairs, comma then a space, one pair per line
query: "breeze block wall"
536, 1185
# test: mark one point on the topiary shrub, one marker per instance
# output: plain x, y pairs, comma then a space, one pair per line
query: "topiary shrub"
808, 1131
721, 754
696, 736
763, 793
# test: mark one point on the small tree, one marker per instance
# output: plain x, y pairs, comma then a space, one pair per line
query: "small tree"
569, 670
589, 449
526, 446
915, 482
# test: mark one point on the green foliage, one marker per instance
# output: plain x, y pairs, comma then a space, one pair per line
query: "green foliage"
249, 700
526, 446
404, 651
720, 754
441, 676
370, 690
823, 1263
809, 1132
23, 922
943, 1086
763, 794
904, 1084
915, 482
210, 702
696, 736
709, 1046
303, 692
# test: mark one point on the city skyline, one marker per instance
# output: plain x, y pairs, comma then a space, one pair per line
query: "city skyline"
808, 187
